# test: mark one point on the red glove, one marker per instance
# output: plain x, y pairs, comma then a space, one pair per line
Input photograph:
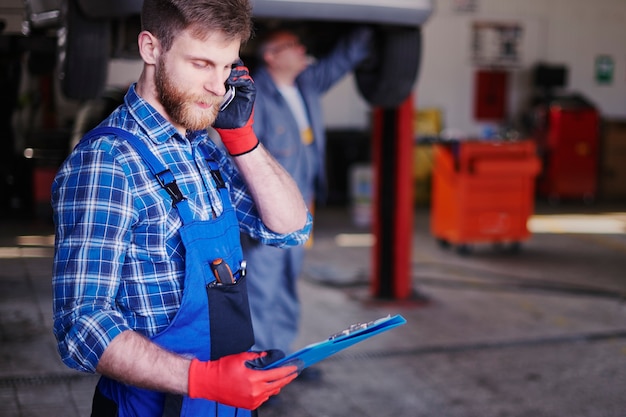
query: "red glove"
229, 381
241, 140
234, 123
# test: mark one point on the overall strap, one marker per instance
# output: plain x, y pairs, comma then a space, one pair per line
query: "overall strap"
217, 177
163, 175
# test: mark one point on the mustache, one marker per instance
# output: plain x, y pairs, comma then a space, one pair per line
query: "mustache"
207, 99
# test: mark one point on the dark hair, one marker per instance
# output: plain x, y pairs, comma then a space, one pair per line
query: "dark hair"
267, 38
165, 19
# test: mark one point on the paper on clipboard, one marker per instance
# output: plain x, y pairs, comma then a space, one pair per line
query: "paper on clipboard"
356, 333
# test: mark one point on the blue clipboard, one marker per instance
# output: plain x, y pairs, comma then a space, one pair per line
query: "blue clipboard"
354, 334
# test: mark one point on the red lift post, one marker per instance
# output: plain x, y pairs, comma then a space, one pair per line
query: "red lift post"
392, 151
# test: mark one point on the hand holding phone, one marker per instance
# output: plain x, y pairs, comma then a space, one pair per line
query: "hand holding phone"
234, 121
228, 97
236, 107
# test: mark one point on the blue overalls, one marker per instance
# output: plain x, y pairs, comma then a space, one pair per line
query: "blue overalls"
213, 319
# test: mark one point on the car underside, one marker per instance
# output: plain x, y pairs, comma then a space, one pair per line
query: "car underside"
88, 33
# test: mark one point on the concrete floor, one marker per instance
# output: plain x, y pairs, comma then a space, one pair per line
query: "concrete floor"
540, 333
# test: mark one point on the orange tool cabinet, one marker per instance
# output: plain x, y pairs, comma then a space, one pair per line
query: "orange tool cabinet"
483, 192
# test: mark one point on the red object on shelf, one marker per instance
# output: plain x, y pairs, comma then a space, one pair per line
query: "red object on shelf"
490, 95
570, 153
483, 191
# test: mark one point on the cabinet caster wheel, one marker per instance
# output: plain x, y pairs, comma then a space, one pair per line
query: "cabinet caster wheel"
515, 248
444, 244
463, 249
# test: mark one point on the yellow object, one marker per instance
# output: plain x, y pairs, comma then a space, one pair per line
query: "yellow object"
307, 136
422, 173
427, 122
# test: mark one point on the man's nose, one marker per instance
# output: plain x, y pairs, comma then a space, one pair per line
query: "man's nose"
216, 86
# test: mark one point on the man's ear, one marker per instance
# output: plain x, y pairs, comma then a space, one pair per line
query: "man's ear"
149, 47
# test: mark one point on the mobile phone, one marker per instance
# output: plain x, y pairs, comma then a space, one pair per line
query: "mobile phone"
228, 97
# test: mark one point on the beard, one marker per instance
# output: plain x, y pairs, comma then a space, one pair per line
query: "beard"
182, 107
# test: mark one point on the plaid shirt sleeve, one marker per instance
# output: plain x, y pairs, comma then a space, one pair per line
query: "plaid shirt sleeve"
93, 213
249, 219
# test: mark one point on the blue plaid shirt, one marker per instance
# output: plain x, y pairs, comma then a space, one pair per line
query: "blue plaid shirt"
119, 260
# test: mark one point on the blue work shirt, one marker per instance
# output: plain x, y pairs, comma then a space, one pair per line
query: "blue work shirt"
276, 127
119, 259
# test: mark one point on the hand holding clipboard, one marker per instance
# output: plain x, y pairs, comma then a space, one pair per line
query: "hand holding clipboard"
354, 334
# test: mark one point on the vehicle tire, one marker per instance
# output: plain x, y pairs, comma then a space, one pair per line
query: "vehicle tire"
386, 78
83, 54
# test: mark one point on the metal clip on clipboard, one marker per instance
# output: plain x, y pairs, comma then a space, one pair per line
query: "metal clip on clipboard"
356, 333
353, 328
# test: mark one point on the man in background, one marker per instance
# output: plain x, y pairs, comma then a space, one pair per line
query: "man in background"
289, 123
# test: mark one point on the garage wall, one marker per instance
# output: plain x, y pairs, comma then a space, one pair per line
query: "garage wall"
570, 32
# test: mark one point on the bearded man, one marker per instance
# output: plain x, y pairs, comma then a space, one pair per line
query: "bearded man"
149, 280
